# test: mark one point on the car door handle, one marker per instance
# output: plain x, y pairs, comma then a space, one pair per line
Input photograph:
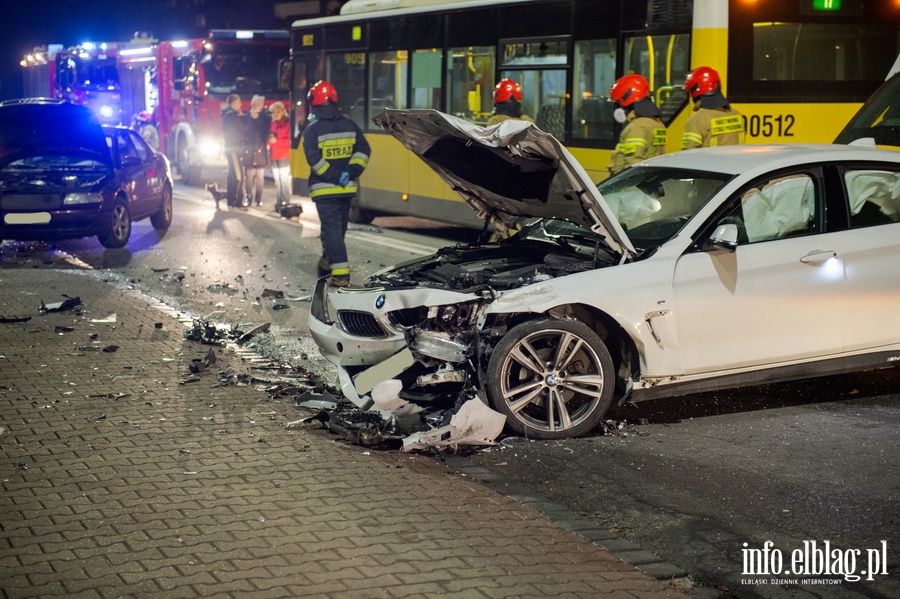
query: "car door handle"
818, 256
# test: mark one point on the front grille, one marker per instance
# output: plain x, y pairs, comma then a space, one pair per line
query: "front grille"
360, 324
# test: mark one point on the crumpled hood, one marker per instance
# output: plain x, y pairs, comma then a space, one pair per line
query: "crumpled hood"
29, 129
507, 171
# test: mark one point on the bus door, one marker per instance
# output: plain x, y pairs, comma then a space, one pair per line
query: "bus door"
541, 68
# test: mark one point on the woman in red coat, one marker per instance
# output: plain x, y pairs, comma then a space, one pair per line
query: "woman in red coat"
280, 153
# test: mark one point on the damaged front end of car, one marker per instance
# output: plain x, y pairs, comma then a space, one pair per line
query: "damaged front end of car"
419, 337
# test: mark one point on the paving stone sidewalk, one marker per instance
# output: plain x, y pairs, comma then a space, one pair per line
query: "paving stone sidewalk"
120, 479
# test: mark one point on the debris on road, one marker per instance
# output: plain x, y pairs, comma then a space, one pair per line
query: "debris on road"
67, 304
13, 319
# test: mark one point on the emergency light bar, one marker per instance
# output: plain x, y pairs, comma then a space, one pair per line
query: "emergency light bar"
246, 34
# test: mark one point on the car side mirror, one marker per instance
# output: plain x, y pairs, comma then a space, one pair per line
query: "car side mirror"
131, 162
725, 237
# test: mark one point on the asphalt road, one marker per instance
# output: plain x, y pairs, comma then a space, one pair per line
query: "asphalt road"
693, 479
690, 479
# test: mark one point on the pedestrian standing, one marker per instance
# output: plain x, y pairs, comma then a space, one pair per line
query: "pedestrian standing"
508, 103
644, 134
280, 153
255, 151
337, 153
714, 122
233, 133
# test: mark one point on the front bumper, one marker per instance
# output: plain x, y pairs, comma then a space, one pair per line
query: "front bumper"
58, 223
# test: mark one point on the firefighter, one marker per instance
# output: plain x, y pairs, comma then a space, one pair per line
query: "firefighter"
337, 153
714, 122
644, 134
508, 103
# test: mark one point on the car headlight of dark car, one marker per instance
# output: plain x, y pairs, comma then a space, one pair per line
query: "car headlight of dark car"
82, 197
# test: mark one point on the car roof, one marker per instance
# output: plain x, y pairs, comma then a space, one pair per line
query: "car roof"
733, 160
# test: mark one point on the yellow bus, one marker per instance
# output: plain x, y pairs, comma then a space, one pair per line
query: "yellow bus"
798, 70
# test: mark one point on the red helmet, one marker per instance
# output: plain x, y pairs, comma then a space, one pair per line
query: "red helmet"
629, 89
702, 81
506, 89
320, 93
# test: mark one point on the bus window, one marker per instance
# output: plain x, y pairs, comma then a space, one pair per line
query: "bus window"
543, 98
387, 83
821, 52
664, 60
346, 71
426, 79
470, 83
532, 64
594, 72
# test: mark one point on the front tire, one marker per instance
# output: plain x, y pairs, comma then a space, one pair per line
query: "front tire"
163, 218
119, 226
553, 379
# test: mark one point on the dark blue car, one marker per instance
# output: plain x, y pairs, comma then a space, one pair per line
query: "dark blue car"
64, 176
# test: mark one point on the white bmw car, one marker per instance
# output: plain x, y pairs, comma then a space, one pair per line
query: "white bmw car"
689, 272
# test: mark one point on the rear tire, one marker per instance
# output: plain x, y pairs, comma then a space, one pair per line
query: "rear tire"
190, 174
163, 218
119, 226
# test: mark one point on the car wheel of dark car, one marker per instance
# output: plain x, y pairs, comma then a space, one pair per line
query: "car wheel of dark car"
119, 226
553, 379
163, 218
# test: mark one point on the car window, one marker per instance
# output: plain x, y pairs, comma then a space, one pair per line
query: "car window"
140, 146
874, 197
775, 208
124, 148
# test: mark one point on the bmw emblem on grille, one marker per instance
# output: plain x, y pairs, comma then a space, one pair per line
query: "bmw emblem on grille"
379, 301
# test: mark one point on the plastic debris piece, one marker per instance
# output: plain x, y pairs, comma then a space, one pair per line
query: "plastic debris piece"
110, 395
110, 349
386, 396
96, 417
280, 306
316, 400
59, 330
67, 304
273, 293
254, 332
109, 319
473, 424
13, 319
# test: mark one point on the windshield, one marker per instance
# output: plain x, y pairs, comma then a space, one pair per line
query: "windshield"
879, 117
244, 68
88, 72
653, 204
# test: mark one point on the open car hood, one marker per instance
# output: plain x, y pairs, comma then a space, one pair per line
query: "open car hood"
507, 171
29, 129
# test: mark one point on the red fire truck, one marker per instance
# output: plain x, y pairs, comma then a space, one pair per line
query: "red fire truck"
86, 74
173, 92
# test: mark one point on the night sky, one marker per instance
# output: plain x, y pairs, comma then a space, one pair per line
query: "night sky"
25, 24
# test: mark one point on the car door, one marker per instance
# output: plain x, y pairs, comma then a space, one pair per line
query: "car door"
777, 297
871, 318
133, 167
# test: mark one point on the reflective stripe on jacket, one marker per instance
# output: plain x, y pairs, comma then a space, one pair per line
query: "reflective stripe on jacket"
713, 127
334, 146
643, 137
